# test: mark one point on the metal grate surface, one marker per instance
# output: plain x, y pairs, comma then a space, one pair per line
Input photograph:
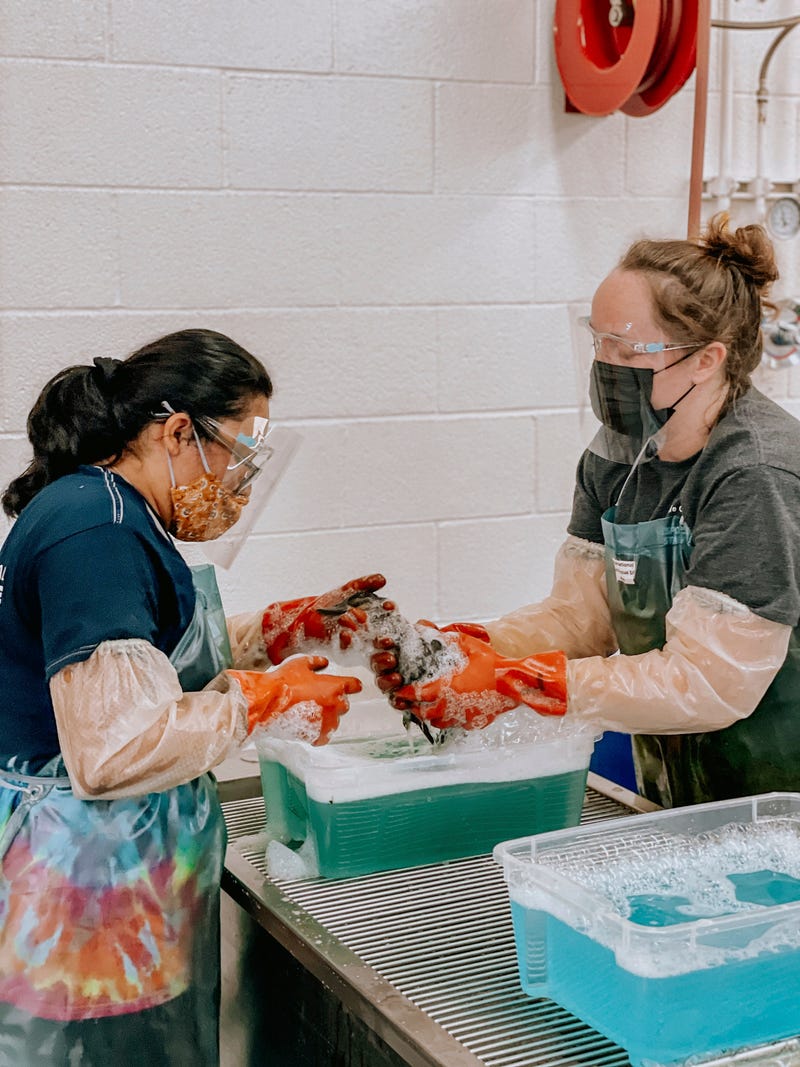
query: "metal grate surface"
442, 936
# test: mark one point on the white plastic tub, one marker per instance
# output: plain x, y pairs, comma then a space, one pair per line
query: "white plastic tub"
675, 934
382, 803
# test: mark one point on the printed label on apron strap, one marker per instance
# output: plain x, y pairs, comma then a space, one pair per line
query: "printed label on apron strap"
625, 570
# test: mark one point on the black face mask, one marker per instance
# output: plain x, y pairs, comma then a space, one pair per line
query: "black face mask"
620, 397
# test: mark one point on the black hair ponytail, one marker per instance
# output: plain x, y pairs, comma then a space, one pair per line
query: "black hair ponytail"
91, 414
69, 424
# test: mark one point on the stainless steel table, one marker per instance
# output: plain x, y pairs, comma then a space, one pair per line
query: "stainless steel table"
409, 968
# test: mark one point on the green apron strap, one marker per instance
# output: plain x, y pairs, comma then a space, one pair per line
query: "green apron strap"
204, 649
646, 566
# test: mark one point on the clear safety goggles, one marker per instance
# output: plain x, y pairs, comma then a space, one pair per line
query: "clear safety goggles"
257, 465
249, 450
613, 348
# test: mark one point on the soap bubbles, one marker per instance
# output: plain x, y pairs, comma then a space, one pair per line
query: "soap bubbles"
519, 727
423, 652
659, 879
300, 722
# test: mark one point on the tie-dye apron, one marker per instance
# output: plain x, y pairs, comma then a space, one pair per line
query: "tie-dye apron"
111, 907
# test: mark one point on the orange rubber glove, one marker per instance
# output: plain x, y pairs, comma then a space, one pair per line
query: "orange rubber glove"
472, 629
385, 662
486, 686
275, 693
292, 626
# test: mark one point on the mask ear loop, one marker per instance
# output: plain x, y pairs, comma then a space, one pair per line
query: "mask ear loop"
203, 460
689, 355
173, 483
171, 410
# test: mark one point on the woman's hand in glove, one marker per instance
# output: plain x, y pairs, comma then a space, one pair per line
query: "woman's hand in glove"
308, 704
292, 626
486, 686
384, 662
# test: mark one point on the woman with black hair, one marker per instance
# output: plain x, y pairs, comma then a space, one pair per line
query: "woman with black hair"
116, 700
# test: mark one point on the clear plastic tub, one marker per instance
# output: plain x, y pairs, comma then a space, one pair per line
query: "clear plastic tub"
675, 934
382, 803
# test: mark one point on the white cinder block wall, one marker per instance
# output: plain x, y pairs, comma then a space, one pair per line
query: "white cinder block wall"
386, 201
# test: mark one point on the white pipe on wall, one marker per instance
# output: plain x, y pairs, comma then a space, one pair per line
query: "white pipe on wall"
725, 183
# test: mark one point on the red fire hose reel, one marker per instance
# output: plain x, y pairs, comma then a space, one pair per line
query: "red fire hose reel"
623, 55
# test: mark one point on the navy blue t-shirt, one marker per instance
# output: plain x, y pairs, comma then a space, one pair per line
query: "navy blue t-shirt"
85, 562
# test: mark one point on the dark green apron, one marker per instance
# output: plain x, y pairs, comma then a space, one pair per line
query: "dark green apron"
645, 567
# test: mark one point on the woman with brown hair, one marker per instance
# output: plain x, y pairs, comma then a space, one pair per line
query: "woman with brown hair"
683, 547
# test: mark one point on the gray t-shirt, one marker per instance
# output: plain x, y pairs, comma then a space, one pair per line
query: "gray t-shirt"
740, 497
